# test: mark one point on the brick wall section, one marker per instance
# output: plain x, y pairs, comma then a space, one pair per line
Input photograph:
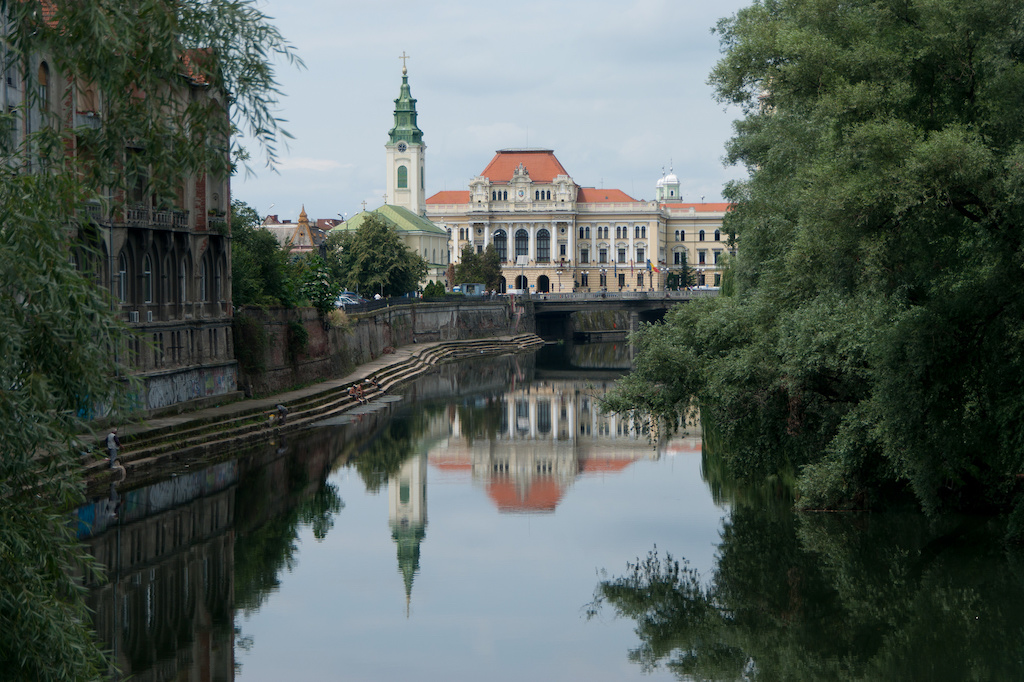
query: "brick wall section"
332, 353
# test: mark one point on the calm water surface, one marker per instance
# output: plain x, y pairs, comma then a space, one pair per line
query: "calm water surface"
494, 524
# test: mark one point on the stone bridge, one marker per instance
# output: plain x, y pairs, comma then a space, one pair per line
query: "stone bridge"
554, 312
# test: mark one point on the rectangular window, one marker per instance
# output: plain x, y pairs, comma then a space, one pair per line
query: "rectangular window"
717, 254
602, 256
677, 258
702, 257
622, 255
584, 256
640, 279
561, 250
718, 279
640, 256
583, 279
622, 280
604, 280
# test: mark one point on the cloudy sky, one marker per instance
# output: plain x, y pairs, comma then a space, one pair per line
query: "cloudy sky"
616, 88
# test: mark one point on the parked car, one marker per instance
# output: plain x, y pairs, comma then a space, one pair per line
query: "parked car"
344, 301
354, 296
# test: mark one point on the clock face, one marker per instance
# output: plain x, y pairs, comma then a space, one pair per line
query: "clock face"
402, 146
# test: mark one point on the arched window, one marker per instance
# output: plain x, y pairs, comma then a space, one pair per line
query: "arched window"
682, 235
44, 87
581, 232
548, 195
493, 196
202, 281
182, 282
522, 244
122, 278
504, 195
501, 245
718, 235
403, 177
700, 235
147, 279
536, 195
543, 246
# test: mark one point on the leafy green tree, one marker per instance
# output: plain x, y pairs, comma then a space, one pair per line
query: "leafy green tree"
61, 343
681, 276
876, 339
479, 267
434, 289
318, 287
374, 259
261, 271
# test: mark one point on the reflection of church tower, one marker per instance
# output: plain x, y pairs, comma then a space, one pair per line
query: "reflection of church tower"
405, 155
407, 512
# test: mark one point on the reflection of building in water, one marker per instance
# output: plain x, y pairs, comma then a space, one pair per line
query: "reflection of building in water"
166, 610
407, 512
537, 440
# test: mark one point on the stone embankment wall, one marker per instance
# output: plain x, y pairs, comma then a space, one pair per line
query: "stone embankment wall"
601, 320
332, 352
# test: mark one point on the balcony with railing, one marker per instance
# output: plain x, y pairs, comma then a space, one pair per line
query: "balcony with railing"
166, 219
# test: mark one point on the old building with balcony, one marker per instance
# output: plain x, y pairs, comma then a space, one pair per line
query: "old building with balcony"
164, 256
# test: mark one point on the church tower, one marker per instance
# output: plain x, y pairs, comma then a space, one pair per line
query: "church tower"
405, 154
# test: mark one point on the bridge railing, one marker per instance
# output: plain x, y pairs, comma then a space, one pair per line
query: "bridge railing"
581, 296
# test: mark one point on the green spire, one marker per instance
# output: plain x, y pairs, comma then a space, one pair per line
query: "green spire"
405, 116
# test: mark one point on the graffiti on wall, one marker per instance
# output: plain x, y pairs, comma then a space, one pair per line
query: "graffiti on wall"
180, 387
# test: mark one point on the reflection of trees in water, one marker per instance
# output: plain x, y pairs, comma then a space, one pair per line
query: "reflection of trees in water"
815, 597
774, 491
383, 456
274, 517
601, 355
484, 419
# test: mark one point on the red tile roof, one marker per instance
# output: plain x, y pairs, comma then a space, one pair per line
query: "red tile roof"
543, 495
701, 208
452, 196
590, 195
540, 163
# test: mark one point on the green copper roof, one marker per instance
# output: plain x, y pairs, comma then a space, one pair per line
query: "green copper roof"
405, 116
403, 219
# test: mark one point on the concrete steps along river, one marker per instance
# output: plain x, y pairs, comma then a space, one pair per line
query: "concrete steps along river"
155, 443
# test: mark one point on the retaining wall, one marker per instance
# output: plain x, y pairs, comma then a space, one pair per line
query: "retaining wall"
333, 352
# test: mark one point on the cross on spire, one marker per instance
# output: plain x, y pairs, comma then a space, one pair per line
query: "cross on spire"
364, 204
385, 197
403, 57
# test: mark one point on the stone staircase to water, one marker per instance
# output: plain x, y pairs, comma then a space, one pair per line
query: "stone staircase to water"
246, 422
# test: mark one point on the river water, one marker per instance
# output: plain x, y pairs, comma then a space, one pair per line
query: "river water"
494, 524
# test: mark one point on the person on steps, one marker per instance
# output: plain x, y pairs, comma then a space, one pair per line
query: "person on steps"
113, 443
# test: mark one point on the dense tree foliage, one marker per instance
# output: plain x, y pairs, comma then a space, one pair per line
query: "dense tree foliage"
261, 272
876, 338
60, 341
483, 268
375, 260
